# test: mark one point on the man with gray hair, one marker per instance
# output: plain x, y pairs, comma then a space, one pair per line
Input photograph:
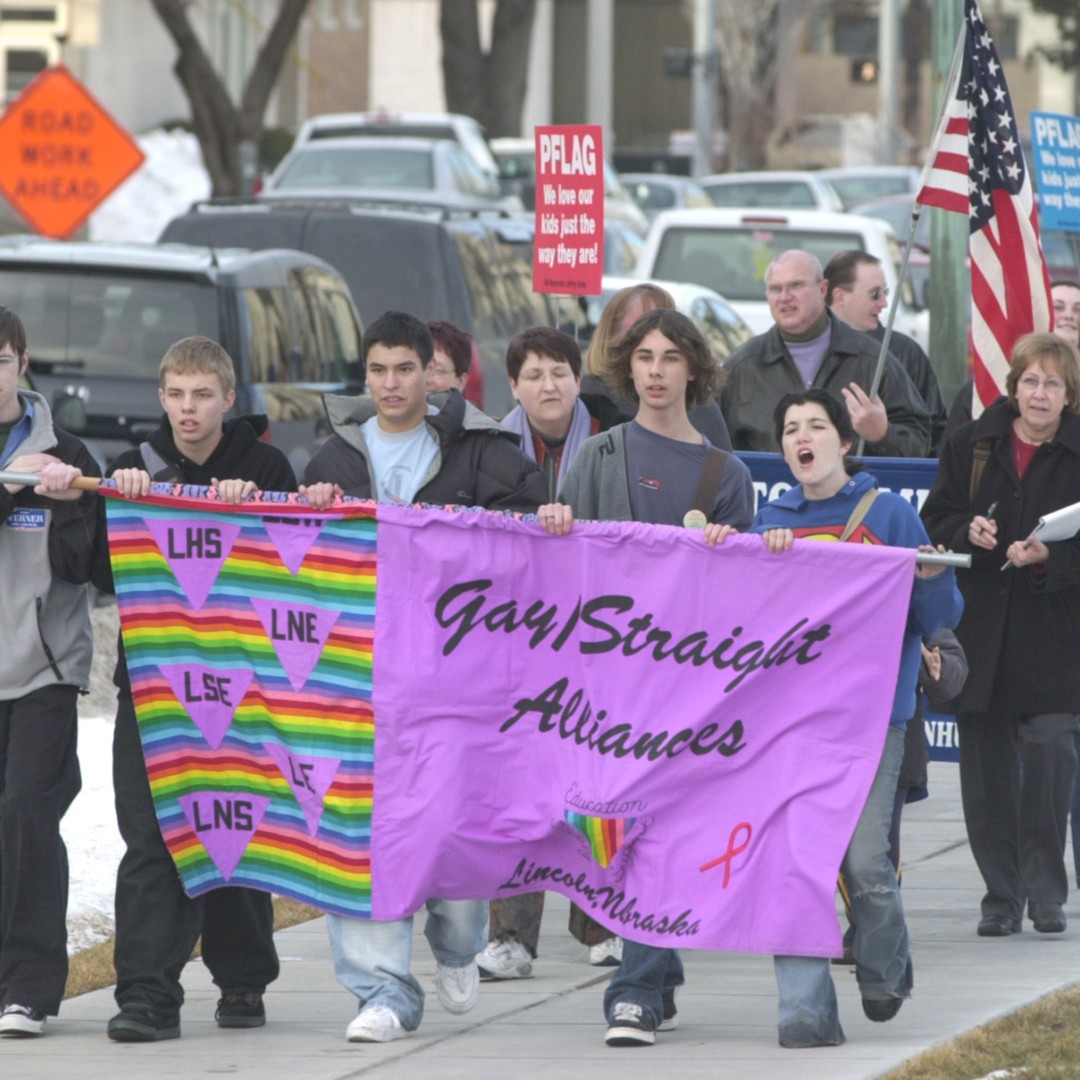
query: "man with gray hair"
810, 347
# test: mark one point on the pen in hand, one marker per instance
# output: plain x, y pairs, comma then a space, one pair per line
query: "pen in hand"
991, 511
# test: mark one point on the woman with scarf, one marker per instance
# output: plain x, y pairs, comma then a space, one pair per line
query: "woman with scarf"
553, 418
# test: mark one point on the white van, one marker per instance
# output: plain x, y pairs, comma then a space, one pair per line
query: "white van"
729, 251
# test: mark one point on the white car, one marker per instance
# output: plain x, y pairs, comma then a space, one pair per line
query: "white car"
730, 250
387, 168
393, 125
860, 183
775, 189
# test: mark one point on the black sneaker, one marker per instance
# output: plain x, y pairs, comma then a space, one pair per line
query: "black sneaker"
240, 1009
21, 1022
143, 1023
630, 1025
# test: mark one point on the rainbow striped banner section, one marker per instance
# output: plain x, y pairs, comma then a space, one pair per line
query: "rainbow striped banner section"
604, 835
248, 634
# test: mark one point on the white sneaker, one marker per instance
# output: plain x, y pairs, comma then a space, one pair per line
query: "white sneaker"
457, 987
507, 959
20, 1021
607, 954
375, 1023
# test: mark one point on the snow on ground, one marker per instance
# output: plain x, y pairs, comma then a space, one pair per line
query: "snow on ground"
93, 841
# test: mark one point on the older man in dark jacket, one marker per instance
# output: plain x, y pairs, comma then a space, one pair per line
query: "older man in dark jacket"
810, 347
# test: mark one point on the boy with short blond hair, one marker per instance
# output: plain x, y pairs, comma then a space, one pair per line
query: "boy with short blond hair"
157, 924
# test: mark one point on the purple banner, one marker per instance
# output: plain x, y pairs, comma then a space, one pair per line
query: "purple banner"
678, 738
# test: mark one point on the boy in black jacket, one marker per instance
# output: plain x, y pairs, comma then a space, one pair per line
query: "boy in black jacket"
157, 924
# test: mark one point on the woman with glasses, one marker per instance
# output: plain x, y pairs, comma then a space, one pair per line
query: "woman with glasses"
1017, 713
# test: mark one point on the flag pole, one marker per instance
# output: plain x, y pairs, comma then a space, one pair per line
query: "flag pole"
883, 352
80, 483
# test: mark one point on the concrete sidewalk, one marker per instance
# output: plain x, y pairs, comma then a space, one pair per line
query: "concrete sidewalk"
551, 1026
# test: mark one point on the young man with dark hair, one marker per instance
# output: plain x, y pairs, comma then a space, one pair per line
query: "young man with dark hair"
395, 446
157, 924
46, 556
657, 468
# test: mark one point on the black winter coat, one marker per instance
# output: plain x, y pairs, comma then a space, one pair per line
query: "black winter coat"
240, 455
478, 464
1020, 628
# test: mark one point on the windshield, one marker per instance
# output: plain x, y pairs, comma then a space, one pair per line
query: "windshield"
384, 166
733, 261
100, 338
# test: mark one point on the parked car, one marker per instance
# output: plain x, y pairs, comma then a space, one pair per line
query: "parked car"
722, 326
857, 184
472, 269
730, 250
385, 168
774, 190
654, 192
517, 171
463, 130
101, 316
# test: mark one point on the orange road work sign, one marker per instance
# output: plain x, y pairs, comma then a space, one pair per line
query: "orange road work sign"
62, 153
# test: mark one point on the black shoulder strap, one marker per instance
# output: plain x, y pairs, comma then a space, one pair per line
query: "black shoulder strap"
978, 466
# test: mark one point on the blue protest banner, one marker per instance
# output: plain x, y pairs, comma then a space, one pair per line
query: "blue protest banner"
1055, 151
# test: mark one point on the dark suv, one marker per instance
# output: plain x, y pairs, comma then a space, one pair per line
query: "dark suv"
99, 318
472, 268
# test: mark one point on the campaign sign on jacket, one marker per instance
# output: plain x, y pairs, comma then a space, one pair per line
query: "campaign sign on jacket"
364, 711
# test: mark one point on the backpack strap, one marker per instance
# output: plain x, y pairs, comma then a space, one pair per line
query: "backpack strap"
159, 469
978, 466
857, 515
712, 472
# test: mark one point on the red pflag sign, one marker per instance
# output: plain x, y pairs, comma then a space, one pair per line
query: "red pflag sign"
64, 153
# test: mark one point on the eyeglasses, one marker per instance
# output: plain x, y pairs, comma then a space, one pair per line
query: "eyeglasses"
788, 286
1052, 386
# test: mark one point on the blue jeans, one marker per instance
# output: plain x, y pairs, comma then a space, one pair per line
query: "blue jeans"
645, 972
808, 1010
371, 959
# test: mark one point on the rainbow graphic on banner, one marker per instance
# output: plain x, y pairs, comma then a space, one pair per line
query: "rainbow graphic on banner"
248, 634
605, 835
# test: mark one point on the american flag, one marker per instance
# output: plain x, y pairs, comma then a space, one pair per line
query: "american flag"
976, 167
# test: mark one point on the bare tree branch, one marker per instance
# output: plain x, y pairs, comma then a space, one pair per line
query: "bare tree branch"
219, 125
